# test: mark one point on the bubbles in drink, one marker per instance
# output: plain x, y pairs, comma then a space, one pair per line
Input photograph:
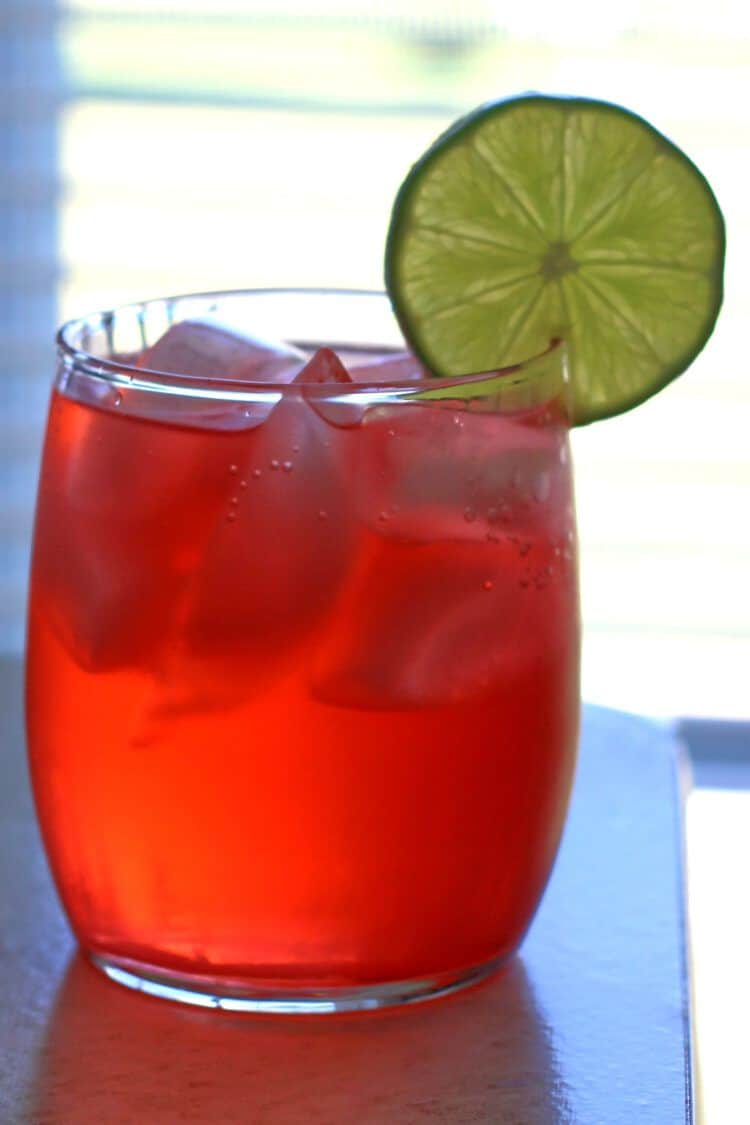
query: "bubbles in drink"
542, 488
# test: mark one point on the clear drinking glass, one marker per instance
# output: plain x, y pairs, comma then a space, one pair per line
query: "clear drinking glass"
302, 688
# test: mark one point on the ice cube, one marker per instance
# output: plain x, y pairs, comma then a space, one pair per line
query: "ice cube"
421, 625
125, 506
275, 557
324, 367
208, 349
426, 472
400, 367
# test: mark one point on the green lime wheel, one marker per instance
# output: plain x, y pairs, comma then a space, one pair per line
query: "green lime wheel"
542, 217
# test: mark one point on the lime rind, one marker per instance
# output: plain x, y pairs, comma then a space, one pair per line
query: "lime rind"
541, 216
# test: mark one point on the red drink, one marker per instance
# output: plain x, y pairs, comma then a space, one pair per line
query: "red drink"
303, 697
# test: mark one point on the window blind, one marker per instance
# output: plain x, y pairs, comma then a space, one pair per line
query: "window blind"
30, 101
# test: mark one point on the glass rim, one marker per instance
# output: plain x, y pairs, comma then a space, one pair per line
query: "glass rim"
117, 373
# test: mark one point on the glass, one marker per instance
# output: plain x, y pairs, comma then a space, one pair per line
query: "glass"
302, 689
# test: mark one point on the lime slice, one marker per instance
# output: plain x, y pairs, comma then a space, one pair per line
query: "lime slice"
542, 217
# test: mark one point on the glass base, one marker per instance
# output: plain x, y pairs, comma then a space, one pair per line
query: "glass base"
315, 1001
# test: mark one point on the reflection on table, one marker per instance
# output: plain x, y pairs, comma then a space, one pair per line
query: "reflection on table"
115, 1056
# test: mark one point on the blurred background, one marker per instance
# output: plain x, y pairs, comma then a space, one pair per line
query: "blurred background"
150, 148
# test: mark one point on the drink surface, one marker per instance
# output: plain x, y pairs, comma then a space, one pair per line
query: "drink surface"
303, 698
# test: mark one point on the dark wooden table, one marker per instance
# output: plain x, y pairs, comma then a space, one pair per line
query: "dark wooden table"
588, 1025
